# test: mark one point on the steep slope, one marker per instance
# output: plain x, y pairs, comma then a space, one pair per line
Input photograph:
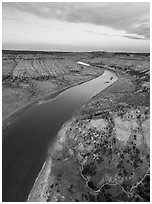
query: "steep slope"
28, 76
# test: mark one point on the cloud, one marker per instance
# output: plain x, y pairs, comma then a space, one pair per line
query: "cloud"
134, 18
134, 37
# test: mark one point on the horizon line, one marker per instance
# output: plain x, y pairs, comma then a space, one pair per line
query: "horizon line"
73, 51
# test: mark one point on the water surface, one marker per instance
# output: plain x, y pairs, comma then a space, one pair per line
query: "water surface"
27, 139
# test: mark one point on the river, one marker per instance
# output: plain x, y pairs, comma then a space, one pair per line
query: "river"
27, 139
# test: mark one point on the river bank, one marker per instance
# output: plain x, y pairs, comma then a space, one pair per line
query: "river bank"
7, 119
36, 129
29, 76
37, 193
102, 124
75, 146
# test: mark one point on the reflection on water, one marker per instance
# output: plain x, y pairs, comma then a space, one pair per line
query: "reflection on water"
26, 140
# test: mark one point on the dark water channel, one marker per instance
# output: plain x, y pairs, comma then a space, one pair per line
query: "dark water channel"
27, 138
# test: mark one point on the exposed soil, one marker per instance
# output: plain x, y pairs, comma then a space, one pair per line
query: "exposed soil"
29, 76
102, 153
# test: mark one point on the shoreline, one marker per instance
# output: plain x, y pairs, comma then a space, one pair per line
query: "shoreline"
8, 119
42, 182
39, 178
129, 89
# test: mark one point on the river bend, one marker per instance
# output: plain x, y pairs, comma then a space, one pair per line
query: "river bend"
27, 139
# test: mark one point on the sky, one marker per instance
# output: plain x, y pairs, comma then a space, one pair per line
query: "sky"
76, 26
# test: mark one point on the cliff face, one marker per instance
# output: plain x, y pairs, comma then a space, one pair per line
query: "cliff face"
44, 66
135, 65
41, 68
28, 76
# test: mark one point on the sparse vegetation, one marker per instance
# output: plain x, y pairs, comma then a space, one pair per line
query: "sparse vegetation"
28, 76
110, 163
